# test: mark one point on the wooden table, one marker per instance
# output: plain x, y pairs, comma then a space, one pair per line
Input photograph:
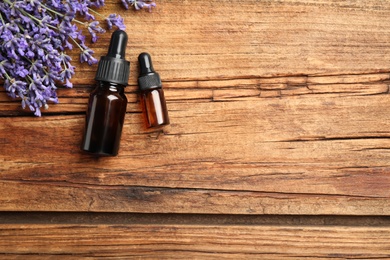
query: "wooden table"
278, 145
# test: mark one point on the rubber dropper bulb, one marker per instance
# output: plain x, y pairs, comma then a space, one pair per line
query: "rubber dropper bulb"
118, 44
145, 63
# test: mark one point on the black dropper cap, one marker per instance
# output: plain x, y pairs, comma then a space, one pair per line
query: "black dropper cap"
113, 67
148, 78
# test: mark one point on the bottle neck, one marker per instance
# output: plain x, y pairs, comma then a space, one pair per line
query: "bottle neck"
113, 87
150, 89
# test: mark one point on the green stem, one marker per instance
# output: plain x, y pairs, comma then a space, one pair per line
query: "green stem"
51, 10
2, 20
20, 27
29, 78
93, 11
6, 74
8, 77
24, 12
65, 67
57, 13
81, 48
8, 2
37, 20
80, 22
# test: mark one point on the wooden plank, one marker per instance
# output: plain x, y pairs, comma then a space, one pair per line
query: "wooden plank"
230, 39
265, 38
75, 100
276, 108
241, 43
115, 218
310, 154
199, 241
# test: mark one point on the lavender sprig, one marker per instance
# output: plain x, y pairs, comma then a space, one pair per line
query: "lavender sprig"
34, 37
139, 4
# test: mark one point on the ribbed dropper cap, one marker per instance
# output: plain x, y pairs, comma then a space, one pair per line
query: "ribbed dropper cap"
113, 67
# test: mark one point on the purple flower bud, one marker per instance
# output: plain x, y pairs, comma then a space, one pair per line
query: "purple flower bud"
115, 20
86, 55
68, 84
37, 112
94, 28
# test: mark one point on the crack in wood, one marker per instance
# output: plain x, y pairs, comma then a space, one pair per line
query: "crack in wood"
138, 191
111, 218
335, 138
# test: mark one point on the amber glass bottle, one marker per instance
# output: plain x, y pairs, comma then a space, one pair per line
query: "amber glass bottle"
151, 93
107, 103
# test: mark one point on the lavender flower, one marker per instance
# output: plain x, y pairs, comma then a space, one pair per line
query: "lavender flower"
94, 28
139, 4
116, 20
34, 37
86, 55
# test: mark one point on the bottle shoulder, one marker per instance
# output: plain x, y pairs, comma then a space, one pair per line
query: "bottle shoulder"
109, 91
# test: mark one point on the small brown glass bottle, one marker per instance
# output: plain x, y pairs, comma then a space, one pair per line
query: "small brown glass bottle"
107, 103
151, 93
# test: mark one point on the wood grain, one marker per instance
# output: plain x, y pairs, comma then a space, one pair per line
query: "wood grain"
235, 39
298, 155
74, 101
276, 108
183, 241
279, 118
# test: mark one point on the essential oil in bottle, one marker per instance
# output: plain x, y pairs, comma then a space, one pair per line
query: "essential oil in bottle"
107, 103
151, 93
